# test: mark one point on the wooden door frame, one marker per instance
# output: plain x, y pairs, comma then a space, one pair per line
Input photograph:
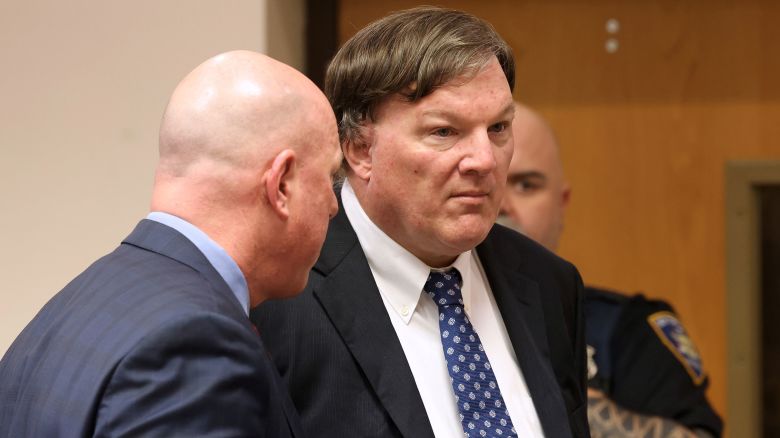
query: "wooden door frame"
743, 291
322, 37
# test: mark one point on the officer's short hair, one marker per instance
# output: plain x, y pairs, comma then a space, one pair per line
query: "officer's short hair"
410, 52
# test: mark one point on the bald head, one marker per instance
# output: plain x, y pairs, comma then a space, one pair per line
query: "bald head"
537, 192
248, 146
233, 110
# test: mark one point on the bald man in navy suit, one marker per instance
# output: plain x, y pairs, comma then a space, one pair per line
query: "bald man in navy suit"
154, 338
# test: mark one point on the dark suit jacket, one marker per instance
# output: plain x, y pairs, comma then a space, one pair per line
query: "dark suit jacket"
148, 341
338, 352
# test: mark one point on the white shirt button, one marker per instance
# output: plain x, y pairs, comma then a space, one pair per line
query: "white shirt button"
404, 310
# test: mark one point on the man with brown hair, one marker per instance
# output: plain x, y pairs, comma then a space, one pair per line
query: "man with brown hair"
421, 318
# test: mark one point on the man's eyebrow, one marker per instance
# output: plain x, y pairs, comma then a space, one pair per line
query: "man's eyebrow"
439, 113
512, 177
507, 112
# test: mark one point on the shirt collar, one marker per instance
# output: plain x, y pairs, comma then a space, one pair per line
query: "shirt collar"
215, 254
399, 275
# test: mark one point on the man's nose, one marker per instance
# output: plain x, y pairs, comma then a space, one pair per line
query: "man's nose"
480, 157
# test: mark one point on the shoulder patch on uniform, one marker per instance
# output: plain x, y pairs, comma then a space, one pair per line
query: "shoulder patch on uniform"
676, 339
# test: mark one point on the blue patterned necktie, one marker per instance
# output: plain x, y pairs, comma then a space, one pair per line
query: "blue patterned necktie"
482, 409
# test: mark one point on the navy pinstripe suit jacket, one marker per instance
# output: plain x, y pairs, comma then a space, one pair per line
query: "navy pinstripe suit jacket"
148, 341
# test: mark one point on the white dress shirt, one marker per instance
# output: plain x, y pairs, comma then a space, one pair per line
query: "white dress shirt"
400, 277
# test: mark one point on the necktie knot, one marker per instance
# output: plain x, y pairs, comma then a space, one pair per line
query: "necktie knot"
444, 287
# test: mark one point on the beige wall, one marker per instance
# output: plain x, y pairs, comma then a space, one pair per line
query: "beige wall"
82, 87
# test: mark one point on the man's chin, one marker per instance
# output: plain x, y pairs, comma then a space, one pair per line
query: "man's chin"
467, 238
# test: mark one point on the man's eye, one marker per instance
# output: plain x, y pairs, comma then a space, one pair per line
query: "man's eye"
499, 127
524, 186
442, 132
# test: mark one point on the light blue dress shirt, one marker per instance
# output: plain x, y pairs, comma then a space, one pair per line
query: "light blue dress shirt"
218, 257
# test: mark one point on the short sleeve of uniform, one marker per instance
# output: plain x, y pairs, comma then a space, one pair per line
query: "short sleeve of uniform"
656, 368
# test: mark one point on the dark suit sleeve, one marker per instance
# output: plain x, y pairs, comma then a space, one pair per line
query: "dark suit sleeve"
198, 376
579, 418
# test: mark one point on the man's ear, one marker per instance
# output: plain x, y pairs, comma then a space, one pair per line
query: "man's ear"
566, 195
279, 180
357, 152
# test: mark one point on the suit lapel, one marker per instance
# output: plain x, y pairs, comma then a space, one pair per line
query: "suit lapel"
351, 299
518, 299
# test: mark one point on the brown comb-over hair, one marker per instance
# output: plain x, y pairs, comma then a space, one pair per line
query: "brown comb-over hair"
409, 52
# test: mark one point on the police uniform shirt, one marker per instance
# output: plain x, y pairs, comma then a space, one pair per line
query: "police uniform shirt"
641, 357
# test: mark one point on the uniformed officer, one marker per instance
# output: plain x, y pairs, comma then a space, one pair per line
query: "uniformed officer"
645, 374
